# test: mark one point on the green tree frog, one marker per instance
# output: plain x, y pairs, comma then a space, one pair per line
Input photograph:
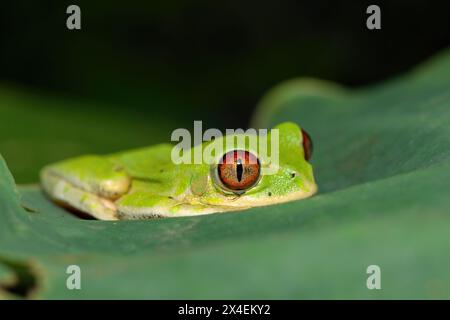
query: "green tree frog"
145, 183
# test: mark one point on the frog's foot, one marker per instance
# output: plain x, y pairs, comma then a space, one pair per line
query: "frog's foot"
92, 191
72, 197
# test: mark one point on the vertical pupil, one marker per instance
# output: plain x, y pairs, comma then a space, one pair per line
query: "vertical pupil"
239, 170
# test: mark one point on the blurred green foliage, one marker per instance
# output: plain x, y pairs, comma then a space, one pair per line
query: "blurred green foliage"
209, 60
37, 129
137, 71
382, 161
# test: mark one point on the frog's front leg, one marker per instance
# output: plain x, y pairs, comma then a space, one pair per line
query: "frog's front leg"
90, 184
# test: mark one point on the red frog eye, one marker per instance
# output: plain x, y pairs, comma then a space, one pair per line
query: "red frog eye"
239, 170
307, 145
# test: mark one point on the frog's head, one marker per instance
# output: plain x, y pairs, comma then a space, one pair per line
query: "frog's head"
246, 177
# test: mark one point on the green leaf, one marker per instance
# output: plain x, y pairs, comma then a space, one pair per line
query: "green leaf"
382, 162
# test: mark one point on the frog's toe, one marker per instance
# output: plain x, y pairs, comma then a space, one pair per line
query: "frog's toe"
89, 183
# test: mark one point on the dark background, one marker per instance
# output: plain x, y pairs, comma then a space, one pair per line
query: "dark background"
210, 60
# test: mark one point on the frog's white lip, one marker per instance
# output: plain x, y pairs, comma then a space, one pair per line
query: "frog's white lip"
248, 201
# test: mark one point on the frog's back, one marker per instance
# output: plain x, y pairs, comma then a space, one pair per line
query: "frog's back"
145, 163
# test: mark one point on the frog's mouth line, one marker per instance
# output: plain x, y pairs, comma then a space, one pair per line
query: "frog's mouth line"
187, 210
243, 202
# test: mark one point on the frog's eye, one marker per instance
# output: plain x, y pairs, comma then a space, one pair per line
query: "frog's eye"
238, 170
307, 145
